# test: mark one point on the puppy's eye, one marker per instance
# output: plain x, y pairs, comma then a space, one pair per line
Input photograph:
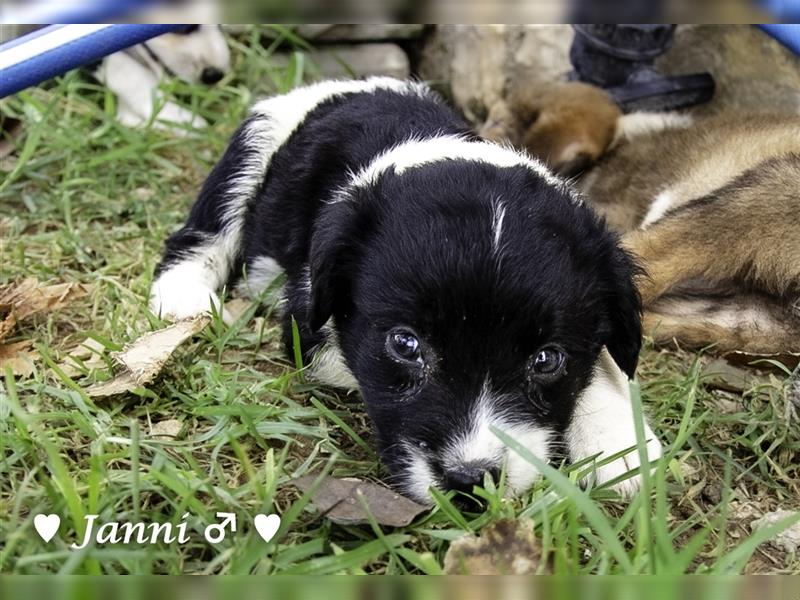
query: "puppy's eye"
403, 345
548, 365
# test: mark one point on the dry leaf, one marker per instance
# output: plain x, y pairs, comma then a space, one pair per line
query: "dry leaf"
338, 500
19, 357
506, 547
143, 359
23, 299
7, 323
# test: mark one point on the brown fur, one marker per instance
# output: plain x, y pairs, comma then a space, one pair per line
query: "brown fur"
690, 162
712, 211
567, 126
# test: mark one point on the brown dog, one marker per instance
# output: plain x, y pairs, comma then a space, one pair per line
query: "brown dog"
711, 208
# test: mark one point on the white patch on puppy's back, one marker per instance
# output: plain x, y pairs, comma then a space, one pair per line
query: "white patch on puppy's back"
277, 118
419, 152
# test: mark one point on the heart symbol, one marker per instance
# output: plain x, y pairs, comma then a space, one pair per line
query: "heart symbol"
46, 526
267, 526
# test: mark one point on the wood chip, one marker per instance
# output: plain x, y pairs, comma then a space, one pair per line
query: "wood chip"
143, 360
86, 355
168, 429
145, 357
120, 384
338, 500
506, 547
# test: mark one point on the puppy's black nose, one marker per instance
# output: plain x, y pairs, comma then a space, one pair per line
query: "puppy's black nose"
211, 75
466, 476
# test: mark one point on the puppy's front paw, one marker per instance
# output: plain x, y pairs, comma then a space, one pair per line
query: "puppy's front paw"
176, 300
630, 461
603, 425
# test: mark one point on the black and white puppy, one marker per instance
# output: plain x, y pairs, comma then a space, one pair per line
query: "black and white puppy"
456, 283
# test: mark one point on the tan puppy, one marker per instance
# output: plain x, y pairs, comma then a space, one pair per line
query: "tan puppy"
568, 126
712, 210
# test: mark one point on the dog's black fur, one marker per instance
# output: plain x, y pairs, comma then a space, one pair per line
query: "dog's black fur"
416, 251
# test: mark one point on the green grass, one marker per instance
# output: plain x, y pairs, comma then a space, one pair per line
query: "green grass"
86, 200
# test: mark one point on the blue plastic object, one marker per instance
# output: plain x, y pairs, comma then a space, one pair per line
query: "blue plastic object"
45, 12
785, 11
788, 35
56, 49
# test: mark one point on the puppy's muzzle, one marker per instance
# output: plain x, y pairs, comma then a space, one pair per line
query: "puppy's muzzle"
463, 477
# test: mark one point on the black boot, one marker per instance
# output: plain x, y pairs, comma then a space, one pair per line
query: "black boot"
619, 58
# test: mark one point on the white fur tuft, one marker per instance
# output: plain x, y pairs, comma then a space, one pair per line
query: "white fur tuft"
660, 206
417, 477
261, 273
645, 123
329, 366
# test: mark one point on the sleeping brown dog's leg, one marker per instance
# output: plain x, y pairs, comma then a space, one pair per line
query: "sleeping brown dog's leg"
746, 322
742, 240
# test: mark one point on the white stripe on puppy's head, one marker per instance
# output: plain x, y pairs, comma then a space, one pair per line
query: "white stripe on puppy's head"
479, 445
498, 215
474, 450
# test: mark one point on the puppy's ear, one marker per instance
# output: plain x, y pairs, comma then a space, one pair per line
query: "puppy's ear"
334, 250
624, 336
